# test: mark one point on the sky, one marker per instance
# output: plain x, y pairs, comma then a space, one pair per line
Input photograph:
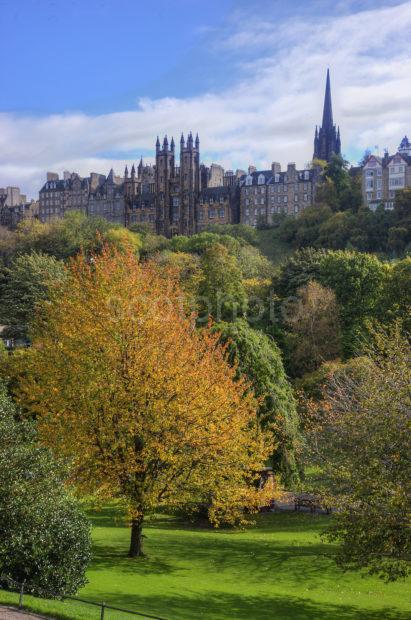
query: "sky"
89, 84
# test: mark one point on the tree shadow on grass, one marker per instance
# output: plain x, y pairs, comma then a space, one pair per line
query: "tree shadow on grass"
246, 560
223, 606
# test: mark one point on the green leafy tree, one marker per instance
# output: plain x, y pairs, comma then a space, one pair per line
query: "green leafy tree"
396, 303
358, 281
314, 328
259, 359
301, 267
361, 442
27, 282
45, 538
221, 291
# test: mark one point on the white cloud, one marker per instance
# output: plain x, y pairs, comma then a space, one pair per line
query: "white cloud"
268, 115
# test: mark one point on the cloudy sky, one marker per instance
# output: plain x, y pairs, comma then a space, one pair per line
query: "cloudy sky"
88, 84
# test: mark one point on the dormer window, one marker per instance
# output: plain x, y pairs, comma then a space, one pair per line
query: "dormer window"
261, 179
306, 175
277, 178
249, 179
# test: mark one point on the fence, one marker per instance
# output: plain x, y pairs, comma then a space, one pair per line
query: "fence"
21, 590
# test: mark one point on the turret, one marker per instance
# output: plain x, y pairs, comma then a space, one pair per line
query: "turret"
182, 141
165, 143
172, 145
157, 145
140, 168
197, 142
133, 172
126, 173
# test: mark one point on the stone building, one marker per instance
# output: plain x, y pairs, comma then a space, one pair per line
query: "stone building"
178, 199
15, 208
266, 193
383, 176
327, 138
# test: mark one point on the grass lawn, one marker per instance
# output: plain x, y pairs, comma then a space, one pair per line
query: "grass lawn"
279, 569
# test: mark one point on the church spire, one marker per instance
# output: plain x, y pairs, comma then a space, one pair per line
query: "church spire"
328, 108
327, 141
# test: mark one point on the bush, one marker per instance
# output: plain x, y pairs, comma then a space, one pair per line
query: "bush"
45, 539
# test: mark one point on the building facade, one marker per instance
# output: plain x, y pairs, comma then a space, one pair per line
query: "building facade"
178, 195
266, 193
383, 176
14, 207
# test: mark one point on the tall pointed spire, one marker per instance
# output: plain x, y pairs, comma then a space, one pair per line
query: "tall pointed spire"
328, 108
327, 140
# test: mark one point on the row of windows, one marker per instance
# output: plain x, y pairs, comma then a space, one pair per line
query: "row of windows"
212, 214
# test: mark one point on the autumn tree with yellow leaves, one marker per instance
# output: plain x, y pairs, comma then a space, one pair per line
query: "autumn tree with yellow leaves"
145, 406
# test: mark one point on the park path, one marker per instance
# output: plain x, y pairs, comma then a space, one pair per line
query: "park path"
9, 613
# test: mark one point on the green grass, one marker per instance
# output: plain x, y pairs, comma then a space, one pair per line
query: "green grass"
279, 569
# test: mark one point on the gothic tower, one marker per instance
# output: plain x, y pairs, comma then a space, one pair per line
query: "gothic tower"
165, 162
189, 183
327, 138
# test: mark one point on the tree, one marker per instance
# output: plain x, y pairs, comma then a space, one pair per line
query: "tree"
396, 303
143, 404
45, 539
313, 321
301, 267
361, 442
222, 293
258, 358
28, 281
358, 281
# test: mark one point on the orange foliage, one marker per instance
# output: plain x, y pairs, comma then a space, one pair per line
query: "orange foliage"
145, 405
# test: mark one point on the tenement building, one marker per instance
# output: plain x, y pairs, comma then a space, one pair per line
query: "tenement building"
266, 193
383, 176
14, 207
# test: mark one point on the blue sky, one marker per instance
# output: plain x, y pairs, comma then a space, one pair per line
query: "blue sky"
89, 84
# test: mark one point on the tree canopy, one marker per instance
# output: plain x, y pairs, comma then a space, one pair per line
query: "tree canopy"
142, 402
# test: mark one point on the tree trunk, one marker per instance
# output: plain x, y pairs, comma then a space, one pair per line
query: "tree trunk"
136, 541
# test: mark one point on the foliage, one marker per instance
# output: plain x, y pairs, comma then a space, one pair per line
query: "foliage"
358, 281
258, 358
314, 329
27, 282
221, 291
301, 267
142, 402
396, 302
238, 231
45, 539
63, 238
362, 442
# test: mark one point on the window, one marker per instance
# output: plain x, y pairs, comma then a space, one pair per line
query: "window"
249, 179
369, 173
211, 213
305, 197
295, 197
277, 178
285, 199
379, 183
369, 183
378, 194
261, 179
262, 201
221, 212
379, 172
306, 174
247, 202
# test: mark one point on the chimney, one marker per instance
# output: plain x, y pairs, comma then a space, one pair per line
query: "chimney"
52, 176
275, 167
